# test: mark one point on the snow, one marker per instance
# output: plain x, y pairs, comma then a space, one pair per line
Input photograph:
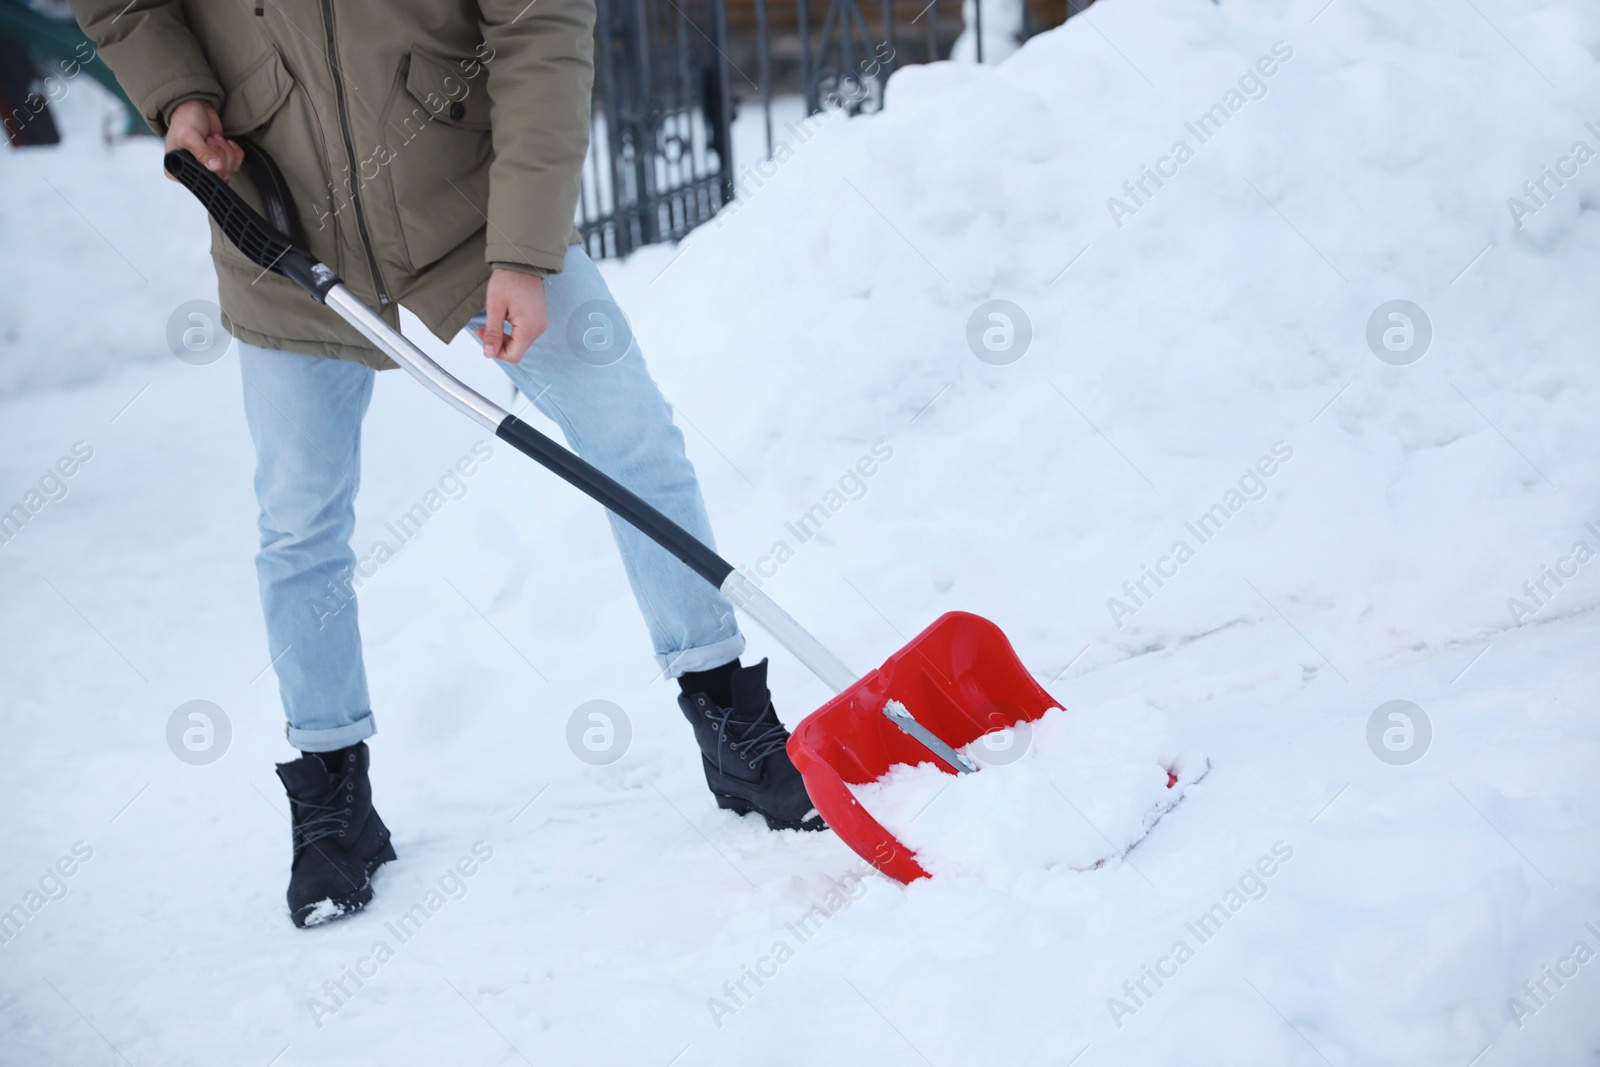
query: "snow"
1067, 790
1416, 540
323, 911
1002, 26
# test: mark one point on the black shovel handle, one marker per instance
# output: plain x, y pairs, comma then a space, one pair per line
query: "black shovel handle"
616, 497
272, 249
264, 244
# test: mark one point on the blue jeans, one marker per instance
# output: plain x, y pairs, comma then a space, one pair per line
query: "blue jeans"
304, 414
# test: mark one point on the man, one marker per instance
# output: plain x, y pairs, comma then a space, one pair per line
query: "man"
432, 149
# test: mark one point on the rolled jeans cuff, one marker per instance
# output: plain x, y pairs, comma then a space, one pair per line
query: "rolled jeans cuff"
334, 738
703, 658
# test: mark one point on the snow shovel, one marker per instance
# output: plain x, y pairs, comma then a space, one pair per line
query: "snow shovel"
959, 675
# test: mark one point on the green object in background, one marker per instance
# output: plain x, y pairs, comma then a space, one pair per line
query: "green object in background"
54, 41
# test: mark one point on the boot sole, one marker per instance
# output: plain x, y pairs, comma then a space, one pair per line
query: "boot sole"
330, 909
740, 806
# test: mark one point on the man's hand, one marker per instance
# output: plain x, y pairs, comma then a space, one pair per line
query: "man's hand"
517, 300
195, 125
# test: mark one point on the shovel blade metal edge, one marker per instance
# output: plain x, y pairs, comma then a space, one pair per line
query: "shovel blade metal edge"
960, 677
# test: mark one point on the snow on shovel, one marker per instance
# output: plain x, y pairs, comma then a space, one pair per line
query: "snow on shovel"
960, 674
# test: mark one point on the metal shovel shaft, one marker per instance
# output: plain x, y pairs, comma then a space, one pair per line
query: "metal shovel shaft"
434, 378
669, 535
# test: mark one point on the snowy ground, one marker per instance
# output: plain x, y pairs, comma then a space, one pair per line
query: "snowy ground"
1372, 912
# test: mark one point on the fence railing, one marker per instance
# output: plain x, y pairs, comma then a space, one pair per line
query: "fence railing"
659, 159
671, 74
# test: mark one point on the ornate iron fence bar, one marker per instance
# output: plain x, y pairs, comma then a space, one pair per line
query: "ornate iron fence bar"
659, 162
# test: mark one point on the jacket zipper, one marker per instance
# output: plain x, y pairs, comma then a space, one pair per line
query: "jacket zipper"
350, 152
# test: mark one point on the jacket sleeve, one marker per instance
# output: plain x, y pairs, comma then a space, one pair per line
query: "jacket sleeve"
150, 48
541, 71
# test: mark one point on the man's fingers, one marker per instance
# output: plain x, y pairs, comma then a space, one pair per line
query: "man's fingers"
209, 156
194, 125
234, 159
516, 344
493, 335
212, 156
229, 154
515, 303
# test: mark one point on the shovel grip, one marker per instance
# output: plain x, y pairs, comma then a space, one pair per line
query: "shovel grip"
256, 239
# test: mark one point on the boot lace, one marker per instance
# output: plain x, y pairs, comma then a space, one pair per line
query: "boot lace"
326, 820
329, 824
756, 740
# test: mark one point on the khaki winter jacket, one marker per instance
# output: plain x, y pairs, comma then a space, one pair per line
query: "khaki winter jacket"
422, 140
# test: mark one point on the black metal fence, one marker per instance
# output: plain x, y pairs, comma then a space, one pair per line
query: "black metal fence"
670, 76
659, 161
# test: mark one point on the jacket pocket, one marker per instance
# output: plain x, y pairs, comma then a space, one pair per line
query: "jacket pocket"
441, 85
440, 149
257, 95
268, 104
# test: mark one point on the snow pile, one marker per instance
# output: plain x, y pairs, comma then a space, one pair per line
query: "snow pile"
95, 257
1197, 224
1067, 790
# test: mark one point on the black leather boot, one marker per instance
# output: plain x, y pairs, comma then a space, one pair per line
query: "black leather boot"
742, 750
338, 838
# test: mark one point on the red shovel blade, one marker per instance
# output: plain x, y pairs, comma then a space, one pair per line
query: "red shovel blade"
960, 678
